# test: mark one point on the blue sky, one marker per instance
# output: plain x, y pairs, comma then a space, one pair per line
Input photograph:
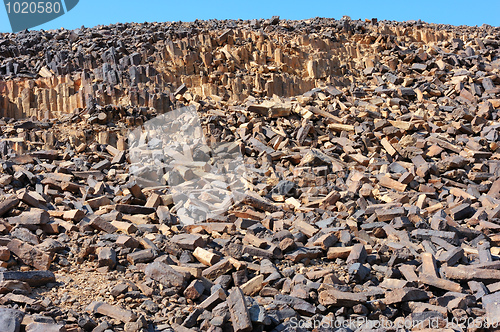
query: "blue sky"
93, 12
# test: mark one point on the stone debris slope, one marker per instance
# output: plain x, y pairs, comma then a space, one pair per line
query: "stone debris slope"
370, 195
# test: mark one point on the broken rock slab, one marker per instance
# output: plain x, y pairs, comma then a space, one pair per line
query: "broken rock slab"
10, 319
111, 311
32, 278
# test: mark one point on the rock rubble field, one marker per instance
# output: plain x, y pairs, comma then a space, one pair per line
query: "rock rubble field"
316, 175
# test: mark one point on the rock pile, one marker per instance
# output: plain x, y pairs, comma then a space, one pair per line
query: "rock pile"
370, 195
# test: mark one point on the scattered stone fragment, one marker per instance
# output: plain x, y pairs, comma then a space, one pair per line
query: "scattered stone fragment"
111, 311
32, 278
10, 319
107, 257
166, 275
30, 255
240, 317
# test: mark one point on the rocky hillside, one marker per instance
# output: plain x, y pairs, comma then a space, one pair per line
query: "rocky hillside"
263, 175
47, 73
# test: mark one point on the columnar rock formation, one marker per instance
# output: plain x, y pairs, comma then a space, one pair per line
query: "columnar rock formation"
46, 73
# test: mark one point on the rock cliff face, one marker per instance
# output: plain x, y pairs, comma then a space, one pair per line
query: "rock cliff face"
46, 73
